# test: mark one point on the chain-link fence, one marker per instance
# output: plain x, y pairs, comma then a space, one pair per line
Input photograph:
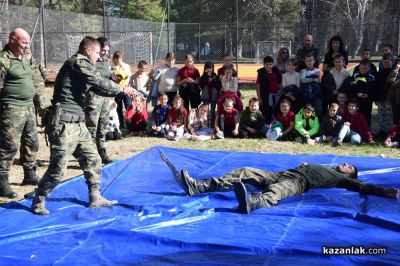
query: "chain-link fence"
211, 29
63, 31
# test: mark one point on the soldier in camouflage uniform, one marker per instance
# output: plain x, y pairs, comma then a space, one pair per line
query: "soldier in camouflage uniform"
66, 125
280, 185
39, 76
17, 113
97, 107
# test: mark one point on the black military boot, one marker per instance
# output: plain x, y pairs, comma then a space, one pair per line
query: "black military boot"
193, 186
247, 203
104, 157
5, 189
96, 199
30, 177
38, 204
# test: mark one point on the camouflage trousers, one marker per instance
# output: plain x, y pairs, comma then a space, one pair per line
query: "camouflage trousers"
18, 129
97, 115
68, 139
275, 185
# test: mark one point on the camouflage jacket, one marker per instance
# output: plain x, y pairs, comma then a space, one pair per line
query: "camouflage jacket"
77, 76
394, 81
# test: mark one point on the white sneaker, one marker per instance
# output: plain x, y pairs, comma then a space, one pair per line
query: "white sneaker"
393, 144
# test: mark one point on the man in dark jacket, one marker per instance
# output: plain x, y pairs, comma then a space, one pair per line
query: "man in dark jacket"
283, 184
66, 128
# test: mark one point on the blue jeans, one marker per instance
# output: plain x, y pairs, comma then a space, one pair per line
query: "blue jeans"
346, 133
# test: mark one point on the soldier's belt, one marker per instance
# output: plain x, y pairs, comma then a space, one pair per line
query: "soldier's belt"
71, 118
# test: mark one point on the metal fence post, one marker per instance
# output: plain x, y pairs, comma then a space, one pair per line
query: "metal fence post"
168, 23
44, 35
225, 38
199, 44
237, 34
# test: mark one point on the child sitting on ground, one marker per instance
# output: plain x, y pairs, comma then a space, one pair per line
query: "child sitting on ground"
113, 131
306, 124
330, 125
393, 138
226, 122
252, 120
281, 127
355, 126
177, 119
198, 126
136, 117
229, 88
159, 116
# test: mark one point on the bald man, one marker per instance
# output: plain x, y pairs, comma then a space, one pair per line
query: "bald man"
308, 48
17, 112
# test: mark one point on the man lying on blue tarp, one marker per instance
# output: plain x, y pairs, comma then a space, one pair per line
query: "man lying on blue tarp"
280, 185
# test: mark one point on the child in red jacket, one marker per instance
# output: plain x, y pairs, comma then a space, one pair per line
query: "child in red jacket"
136, 117
355, 127
393, 138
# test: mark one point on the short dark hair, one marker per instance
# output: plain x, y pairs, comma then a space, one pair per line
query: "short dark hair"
170, 55
354, 101
365, 62
87, 42
118, 55
162, 94
103, 42
309, 55
268, 59
338, 56
254, 100
355, 174
208, 64
285, 100
292, 61
142, 63
389, 45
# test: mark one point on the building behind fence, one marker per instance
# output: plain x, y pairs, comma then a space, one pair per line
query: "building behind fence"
248, 41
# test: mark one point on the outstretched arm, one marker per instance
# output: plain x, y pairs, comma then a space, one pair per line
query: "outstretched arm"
391, 193
358, 186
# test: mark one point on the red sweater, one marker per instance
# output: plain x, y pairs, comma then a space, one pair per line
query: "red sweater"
393, 133
136, 117
359, 124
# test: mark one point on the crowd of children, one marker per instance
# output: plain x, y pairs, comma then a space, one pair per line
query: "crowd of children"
308, 105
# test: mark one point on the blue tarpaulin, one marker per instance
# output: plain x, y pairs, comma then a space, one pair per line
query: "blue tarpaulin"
156, 223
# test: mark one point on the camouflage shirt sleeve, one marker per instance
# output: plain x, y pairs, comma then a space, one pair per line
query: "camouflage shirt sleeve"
43, 71
4, 66
358, 186
94, 81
